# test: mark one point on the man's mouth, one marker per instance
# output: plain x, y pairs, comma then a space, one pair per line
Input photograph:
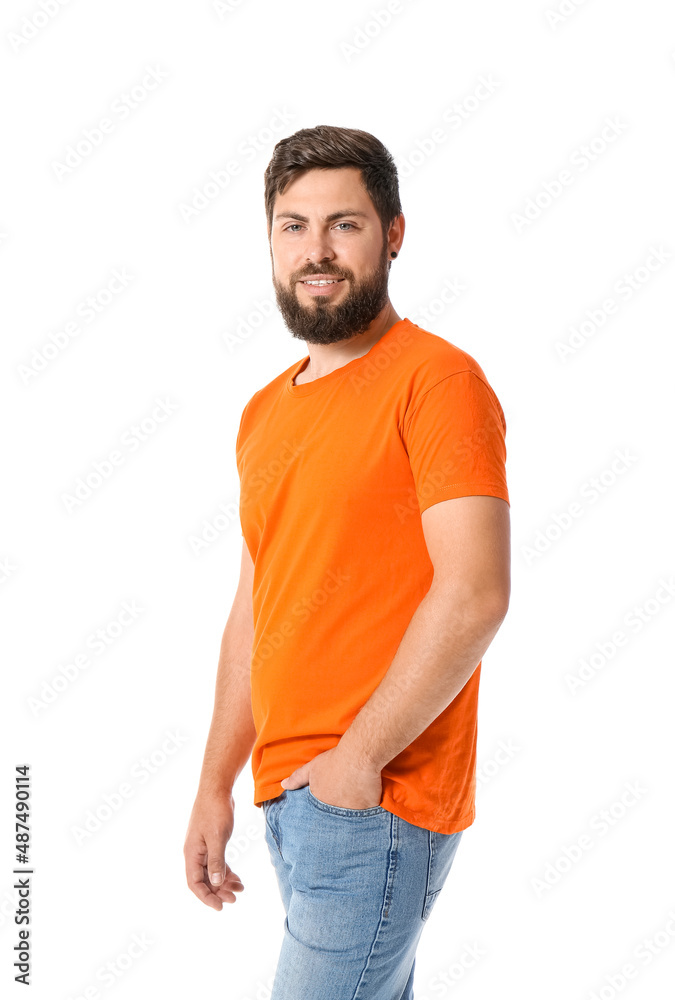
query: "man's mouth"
322, 281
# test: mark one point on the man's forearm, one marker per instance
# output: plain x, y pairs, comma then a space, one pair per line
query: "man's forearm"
232, 733
442, 646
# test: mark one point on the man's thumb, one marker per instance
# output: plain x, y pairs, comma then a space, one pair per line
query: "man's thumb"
294, 780
216, 868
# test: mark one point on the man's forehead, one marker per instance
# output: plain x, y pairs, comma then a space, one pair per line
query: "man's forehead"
349, 198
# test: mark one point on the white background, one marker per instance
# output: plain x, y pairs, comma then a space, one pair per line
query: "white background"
546, 926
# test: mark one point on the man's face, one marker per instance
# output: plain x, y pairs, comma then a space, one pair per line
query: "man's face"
325, 226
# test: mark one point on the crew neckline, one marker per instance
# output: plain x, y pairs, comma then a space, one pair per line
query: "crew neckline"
306, 388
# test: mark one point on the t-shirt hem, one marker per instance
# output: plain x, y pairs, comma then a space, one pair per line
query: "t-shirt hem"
410, 816
266, 792
450, 826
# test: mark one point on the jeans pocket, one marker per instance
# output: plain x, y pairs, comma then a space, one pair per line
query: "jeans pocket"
341, 810
442, 850
429, 901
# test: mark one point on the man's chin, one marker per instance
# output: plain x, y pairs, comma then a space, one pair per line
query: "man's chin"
301, 320
334, 318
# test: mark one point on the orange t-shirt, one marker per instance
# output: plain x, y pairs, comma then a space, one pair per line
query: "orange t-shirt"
335, 474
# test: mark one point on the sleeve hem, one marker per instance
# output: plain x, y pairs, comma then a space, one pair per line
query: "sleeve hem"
456, 490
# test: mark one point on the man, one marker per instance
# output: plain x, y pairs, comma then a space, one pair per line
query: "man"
374, 575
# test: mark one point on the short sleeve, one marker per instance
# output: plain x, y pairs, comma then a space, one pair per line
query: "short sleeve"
455, 437
239, 438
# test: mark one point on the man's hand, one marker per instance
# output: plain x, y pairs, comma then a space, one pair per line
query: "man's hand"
210, 828
335, 778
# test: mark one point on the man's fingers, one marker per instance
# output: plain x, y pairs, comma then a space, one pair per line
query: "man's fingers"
198, 883
231, 877
199, 880
232, 882
208, 875
212, 895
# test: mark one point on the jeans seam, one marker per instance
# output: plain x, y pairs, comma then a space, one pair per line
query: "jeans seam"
392, 866
276, 839
428, 895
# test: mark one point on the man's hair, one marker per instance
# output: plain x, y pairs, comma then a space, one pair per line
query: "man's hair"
327, 146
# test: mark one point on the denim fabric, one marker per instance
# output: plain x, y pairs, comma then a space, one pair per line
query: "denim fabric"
358, 886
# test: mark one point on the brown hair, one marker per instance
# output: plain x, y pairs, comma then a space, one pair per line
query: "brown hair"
329, 146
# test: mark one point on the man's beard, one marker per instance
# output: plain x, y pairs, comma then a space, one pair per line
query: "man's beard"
322, 322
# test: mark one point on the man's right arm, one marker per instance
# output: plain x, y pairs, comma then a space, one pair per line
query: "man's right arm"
228, 747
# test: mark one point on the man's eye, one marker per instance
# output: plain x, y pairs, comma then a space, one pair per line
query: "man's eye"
296, 225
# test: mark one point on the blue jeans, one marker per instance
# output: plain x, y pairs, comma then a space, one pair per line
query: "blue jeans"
358, 886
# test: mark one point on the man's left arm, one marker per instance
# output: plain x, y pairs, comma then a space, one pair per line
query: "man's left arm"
468, 540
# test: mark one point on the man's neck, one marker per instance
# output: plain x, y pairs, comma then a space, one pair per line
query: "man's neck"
326, 358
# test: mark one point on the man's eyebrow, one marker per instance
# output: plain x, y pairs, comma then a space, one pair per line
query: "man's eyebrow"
327, 218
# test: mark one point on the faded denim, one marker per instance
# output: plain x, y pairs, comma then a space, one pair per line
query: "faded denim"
358, 886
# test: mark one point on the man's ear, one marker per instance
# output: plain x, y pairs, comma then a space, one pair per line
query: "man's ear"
396, 230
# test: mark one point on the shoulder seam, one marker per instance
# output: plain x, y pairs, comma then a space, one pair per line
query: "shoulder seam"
444, 379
